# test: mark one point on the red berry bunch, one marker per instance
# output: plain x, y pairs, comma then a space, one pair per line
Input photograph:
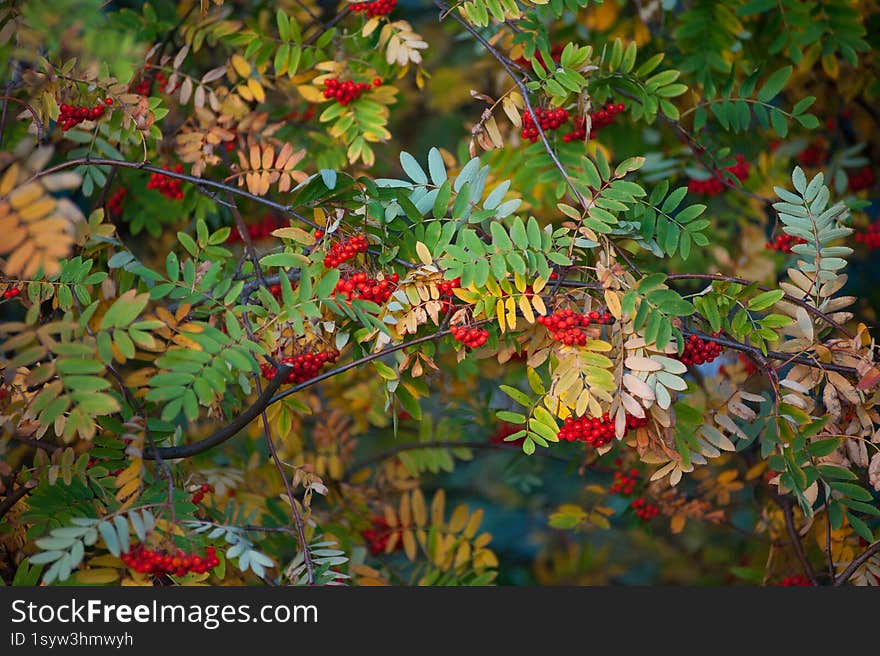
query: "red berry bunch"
12, 292
114, 203
148, 561
470, 337
644, 510
70, 116
599, 119
871, 236
275, 290
592, 430
143, 87
376, 8
377, 537
796, 580
200, 493
624, 482
564, 325
548, 119
260, 230
345, 250
714, 185
344, 91
304, 366
168, 187
783, 243
698, 351
813, 155
447, 287
362, 287
863, 179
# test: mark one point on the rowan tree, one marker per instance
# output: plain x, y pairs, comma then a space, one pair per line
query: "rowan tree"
279, 278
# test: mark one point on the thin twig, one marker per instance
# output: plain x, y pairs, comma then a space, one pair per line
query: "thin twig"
856, 563
786, 504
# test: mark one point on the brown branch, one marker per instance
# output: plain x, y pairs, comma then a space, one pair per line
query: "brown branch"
786, 504
856, 563
228, 431
266, 399
203, 182
773, 355
14, 497
524, 91
297, 517
788, 297
41, 135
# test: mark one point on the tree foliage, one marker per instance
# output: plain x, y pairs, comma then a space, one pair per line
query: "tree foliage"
322, 292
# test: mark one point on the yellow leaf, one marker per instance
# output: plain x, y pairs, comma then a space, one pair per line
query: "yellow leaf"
458, 519
409, 545
612, 300
241, 65
511, 312
420, 514
296, 234
499, 311
526, 309
97, 576
423, 253
310, 93
438, 504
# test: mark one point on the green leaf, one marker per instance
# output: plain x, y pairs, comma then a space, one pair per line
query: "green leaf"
774, 84
765, 300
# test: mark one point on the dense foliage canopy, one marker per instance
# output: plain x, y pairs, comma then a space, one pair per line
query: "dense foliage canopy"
410, 292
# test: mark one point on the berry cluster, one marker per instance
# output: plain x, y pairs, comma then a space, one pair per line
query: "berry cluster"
143, 87
168, 187
361, 286
595, 431
863, 179
447, 287
304, 366
592, 430
783, 243
345, 250
698, 351
796, 580
275, 290
624, 482
564, 325
599, 119
375, 8
200, 493
813, 155
470, 337
871, 236
344, 92
70, 116
260, 230
377, 537
548, 119
149, 561
644, 510
12, 292
114, 203
714, 185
